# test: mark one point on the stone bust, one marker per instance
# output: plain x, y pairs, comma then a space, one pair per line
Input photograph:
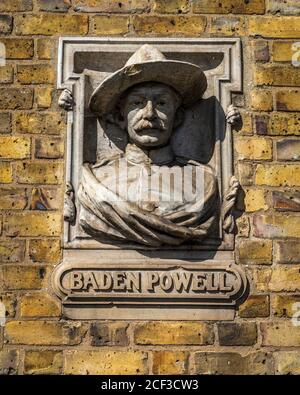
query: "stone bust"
147, 195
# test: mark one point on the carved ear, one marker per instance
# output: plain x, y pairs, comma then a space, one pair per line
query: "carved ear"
179, 117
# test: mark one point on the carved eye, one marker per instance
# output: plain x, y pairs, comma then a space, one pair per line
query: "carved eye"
161, 103
137, 102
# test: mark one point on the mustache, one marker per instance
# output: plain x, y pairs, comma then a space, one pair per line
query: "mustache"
145, 124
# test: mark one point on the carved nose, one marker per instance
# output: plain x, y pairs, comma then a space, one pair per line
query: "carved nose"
149, 111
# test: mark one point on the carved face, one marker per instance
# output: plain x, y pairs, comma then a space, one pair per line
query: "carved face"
149, 112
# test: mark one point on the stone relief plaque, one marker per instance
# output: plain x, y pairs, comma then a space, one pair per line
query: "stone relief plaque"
150, 189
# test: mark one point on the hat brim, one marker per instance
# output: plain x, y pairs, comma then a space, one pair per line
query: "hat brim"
186, 78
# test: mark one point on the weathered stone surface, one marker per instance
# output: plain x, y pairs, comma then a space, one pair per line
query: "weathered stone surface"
44, 123
18, 48
286, 75
255, 363
13, 198
43, 96
278, 175
46, 199
43, 362
288, 100
12, 251
40, 172
174, 333
15, 5
35, 74
103, 24
285, 306
5, 122
51, 148
105, 362
13, 147
286, 7
165, 25
288, 149
237, 334
224, 26
23, 277
286, 201
44, 332
261, 100
261, 52
16, 98
39, 304
171, 6
111, 6
255, 306
6, 173
287, 362
6, 23
280, 334
229, 7
170, 362
51, 24
54, 5
281, 27
286, 251
254, 148
44, 250
111, 334
255, 251
9, 362
243, 226
33, 224
278, 279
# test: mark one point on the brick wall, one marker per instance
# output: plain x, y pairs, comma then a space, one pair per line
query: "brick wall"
35, 338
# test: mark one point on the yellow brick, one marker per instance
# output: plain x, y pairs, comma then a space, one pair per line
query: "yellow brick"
280, 334
247, 127
284, 124
45, 48
276, 225
9, 361
261, 100
15, 5
6, 174
229, 6
50, 24
12, 251
45, 250
44, 333
16, 98
165, 25
36, 74
10, 304
39, 172
227, 26
277, 75
288, 362
270, 26
255, 251
255, 306
33, 224
110, 25
171, 6
18, 48
255, 199
24, 277
278, 175
105, 362
43, 96
195, 333
276, 279
6, 74
13, 198
282, 51
45, 123
111, 6
285, 305
39, 304
170, 362
288, 100
14, 147
50, 148
253, 148
43, 362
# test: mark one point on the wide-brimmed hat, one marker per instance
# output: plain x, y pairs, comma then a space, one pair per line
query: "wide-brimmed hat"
145, 65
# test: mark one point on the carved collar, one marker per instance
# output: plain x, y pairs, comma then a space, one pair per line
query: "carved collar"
159, 156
